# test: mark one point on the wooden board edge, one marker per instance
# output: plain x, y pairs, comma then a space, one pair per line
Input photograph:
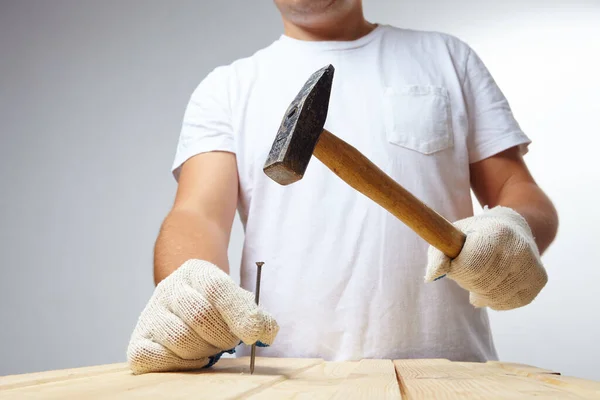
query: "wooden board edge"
522, 369
36, 378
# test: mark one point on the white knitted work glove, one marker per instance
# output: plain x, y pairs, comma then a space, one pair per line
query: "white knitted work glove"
499, 264
195, 315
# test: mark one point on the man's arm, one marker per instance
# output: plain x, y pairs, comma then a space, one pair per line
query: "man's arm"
198, 312
505, 180
199, 224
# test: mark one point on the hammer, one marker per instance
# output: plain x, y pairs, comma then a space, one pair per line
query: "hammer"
301, 134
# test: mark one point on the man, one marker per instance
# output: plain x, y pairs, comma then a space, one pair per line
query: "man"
343, 279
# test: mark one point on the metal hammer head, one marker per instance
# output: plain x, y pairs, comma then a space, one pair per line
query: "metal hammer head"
300, 129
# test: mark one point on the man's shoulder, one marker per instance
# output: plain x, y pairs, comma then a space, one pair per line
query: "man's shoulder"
241, 67
430, 39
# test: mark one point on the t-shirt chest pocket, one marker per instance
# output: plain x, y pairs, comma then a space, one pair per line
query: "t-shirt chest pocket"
418, 117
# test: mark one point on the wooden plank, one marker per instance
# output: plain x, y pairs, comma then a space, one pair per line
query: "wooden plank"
228, 379
372, 379
99, 386
521, 369
585, 388
306, 379
367, 379
319, 382
37, 378
446, 380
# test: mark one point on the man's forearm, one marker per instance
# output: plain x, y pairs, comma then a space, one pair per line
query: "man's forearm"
188, 235
530, 201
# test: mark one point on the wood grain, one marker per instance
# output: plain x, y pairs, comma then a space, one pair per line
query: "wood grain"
365, 177
276, 378
38, 378
585, 388
319, 382
228, 379
446, 380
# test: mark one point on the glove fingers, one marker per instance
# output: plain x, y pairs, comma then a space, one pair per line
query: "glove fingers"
269, 328
244, 318
176, 336
519, 299
236, 305
515, 290
502, 303
438, 265
478, 300
480, 267
197, 313
146, 356
522, 298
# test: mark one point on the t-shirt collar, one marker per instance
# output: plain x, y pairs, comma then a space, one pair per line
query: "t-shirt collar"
332, 44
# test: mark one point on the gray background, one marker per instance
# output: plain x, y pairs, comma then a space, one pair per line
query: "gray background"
91, 99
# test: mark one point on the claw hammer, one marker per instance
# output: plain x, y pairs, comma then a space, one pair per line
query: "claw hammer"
301, 134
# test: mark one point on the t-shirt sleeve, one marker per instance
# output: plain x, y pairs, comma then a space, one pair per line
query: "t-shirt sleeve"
206, 122
492, 125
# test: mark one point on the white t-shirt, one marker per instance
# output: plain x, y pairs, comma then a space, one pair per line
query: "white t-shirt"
342, 276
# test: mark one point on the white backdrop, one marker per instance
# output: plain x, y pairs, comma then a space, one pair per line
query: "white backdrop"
91, 99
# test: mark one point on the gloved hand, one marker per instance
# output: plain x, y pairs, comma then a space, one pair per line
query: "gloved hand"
195, 315
499, 264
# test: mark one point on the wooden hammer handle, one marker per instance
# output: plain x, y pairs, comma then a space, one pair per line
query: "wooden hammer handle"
364, 176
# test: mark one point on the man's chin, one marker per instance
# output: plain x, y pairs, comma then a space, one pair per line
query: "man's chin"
307, 9
312, 7
317, 14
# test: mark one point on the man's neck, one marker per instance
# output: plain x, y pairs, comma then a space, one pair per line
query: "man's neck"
347, 30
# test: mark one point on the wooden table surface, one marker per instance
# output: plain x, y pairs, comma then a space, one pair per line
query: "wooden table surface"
276, 378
